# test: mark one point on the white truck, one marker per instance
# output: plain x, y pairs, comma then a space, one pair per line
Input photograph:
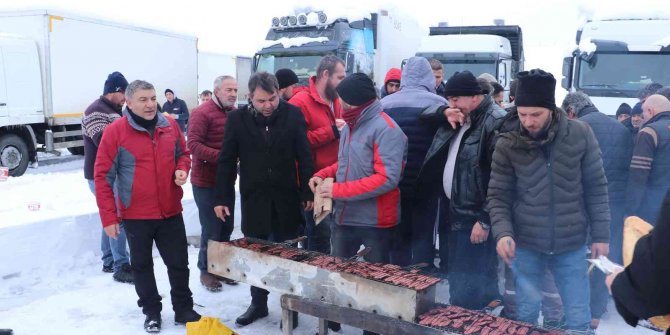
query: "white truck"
615, 58
371, 43
211, 65
496, 50
53, 65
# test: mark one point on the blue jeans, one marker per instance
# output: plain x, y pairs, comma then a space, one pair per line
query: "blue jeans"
114, 251
213, 228
570, 274
318, 236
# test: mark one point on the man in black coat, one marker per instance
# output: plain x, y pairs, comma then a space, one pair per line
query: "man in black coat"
176, 108
616, 147
642, 290
268, 137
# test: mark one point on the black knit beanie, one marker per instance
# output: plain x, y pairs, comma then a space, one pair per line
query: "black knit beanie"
168, 90
286, 78
357, 89
624, 108
535, 88
115, 82
462, 84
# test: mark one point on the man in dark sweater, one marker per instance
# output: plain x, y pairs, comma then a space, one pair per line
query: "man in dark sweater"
97, 116
176, 108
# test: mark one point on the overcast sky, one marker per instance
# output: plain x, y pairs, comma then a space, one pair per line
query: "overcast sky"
238, 27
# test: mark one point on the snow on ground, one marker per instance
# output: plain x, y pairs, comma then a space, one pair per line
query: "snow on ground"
51, 280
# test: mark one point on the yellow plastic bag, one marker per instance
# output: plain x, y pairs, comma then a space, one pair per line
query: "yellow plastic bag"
208, 326
635, 228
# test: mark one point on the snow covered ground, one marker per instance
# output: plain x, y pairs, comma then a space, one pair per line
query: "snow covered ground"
51, 280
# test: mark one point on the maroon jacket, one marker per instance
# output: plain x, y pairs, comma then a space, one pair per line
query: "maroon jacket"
205, 135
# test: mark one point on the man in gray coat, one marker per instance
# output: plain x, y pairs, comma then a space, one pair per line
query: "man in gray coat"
547, 193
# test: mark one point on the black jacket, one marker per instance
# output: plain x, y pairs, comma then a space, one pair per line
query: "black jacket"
616, 146
473, 163
643, 289
268, 150
178, 107
549, 194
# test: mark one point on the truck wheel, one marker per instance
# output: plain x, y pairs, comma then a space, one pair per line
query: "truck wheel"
76, 150
14, 154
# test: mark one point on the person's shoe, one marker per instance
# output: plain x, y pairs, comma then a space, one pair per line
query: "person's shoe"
334, 326
225, 280
124, 275
152, 324
252, 314
181, 318
108, 268
295, 321
210, 282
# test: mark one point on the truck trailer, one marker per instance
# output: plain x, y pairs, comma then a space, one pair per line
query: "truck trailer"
53, 65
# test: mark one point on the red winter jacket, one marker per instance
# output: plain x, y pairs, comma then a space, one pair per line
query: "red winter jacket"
205, 135
322, 133
142, 168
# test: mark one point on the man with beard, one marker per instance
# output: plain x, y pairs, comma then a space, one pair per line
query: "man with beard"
204, 140
100, 114
547, 194
323, 114
457, 164
268, 138
287, 80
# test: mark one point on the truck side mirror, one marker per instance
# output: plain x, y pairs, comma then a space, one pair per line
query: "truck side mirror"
566, 83
254, 65
350, 63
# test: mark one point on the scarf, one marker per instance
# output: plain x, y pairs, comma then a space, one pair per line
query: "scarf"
351, 116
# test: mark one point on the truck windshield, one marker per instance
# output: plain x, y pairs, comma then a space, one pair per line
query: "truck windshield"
451, 67
303, 66
622, 72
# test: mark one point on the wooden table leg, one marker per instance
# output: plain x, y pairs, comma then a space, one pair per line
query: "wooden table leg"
287, 321
323, 326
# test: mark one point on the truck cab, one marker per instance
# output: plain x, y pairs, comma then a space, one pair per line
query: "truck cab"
497, 50
371, 43
20, 101
616, 58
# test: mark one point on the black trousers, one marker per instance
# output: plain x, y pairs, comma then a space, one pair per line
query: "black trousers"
259, 296
170, 237
348, 239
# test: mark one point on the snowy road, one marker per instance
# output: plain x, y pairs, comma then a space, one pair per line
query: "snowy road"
50, 278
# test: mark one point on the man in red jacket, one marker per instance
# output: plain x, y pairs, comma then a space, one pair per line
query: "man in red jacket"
322, 110
205, 135
144, 155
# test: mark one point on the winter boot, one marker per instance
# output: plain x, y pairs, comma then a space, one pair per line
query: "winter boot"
210, 282
252, 314
124, 275
108, 268
181, 318
152, 324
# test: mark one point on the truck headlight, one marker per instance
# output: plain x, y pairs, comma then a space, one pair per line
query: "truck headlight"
302, 19
292, 20
275, 22
322, 17
284, 21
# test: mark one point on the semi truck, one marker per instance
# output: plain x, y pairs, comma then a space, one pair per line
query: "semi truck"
496, 50
53, 65
616, 57
371, 43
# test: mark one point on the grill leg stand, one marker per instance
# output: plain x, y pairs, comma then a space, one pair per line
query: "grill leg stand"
323, 326
287, 321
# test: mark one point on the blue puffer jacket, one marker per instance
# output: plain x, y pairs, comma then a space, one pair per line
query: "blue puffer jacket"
417, 92
616, 146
